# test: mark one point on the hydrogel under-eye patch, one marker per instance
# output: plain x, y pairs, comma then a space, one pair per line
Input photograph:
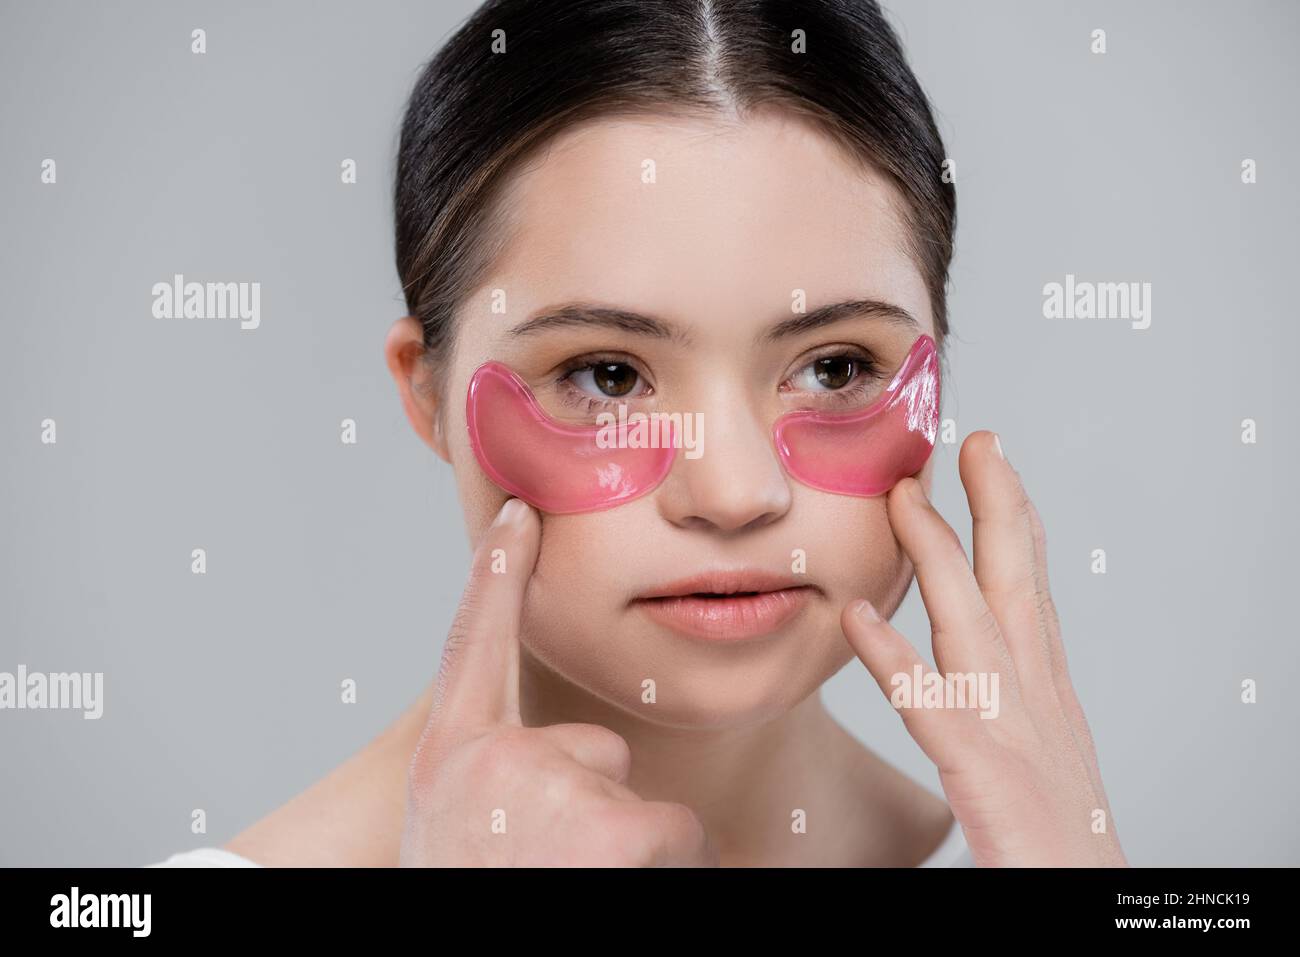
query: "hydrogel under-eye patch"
562, 469
868, 451
554, 467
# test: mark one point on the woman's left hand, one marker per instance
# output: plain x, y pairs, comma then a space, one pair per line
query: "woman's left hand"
1023, 781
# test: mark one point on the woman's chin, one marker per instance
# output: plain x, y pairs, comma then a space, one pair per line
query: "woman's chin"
674, 676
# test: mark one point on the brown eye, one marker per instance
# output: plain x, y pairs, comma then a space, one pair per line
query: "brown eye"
834, 372
607, 378
614, 379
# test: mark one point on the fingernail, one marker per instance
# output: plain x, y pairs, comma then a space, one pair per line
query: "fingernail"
866, 611
511, 512
917, 492
997, 444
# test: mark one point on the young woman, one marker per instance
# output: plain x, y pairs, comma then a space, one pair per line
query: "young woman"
733, 210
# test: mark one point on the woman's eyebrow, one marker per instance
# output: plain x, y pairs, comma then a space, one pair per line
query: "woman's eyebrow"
609, 317
839, 312
626, 320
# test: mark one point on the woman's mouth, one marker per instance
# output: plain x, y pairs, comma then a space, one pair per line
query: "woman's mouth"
727, 606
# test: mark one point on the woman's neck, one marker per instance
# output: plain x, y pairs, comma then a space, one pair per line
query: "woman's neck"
798, 790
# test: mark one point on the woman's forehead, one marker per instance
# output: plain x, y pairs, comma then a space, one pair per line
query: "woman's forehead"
704, 216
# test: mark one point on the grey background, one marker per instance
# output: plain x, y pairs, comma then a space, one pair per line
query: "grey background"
328, 561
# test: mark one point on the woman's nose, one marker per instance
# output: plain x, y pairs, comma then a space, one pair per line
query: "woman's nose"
735, 482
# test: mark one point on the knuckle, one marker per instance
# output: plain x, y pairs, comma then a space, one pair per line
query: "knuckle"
611, 745
986, 622
948, 551
1013, 585
659, 832
591, 741
1024, 507
1037, 527
502, 754
1046, 609
952, 543
684, 826
1061, 668
616, 835
1037, 531
560, 785
1019, 736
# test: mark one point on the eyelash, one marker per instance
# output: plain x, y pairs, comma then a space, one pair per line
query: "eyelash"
866, 371
575, 397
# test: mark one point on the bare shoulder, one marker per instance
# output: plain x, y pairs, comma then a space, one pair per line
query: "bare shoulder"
352, 817
296, 834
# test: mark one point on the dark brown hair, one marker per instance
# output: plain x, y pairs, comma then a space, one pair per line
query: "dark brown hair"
475, 113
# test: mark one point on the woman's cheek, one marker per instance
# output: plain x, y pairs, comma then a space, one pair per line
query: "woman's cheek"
575, 607
851, 551
480, 500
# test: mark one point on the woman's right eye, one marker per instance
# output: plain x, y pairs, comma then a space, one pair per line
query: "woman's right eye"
608, 380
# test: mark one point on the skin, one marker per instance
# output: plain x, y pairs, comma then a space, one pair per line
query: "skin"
537, 706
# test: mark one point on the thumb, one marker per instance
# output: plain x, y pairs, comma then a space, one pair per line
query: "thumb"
478, 677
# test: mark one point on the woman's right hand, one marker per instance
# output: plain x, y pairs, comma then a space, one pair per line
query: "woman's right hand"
483, 790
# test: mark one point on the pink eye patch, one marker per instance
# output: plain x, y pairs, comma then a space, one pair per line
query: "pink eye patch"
563, 469
868, 451
554, 467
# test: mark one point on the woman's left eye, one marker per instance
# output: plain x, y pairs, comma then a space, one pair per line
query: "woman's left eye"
830, 374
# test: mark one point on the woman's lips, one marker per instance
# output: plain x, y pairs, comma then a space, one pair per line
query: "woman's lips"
727, 607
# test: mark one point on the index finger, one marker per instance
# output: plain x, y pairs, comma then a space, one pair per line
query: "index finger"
965, 635
1006, 561
478, 677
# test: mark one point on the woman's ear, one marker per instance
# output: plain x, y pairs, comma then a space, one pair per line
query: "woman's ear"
404, 350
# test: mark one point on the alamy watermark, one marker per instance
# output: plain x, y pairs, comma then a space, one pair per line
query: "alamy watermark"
71, 691
1098, 300
75, 909
179, 299
651, 430
973, 689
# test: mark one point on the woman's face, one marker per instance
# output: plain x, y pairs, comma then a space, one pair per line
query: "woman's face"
711, 229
